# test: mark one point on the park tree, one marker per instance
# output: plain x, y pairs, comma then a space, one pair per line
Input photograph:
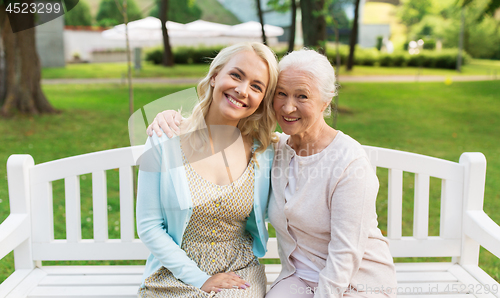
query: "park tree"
179, 11
168, 56
313, 23
354, 37
109, 14
22, 77
261, 20
284, 6
79, 16
176, 11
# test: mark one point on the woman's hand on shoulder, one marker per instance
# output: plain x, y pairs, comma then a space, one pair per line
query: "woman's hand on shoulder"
168, 120
219, 281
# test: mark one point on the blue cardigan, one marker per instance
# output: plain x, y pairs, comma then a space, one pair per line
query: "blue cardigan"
164, 207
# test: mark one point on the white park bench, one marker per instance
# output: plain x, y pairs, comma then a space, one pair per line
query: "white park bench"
29, 229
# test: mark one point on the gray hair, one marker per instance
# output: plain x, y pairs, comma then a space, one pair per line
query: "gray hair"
317, 66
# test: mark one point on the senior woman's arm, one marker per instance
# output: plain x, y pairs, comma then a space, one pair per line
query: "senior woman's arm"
352, 215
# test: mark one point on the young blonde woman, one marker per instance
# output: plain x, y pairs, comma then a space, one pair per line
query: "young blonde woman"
202, 198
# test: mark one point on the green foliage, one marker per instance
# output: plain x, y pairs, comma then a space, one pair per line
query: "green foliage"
281, 5
481, 39
429, 43
79, 15
412, 11
110, 15
443, 22
179, 11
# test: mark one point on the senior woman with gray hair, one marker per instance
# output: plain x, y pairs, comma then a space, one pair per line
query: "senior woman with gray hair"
324, 190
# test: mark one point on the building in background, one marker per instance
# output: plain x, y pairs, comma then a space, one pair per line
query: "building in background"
49, 39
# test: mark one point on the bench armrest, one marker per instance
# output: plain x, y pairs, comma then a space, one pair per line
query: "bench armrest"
482, 229
13, 231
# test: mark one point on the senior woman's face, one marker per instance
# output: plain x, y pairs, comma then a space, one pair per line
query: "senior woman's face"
297, 102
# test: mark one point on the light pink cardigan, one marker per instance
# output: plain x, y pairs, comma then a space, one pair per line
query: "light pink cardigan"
334, 219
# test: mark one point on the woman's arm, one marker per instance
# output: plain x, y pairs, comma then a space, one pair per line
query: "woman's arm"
352, 210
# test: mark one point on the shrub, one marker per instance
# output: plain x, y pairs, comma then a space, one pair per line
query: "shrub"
366, 57
386, 60
185, 55
155, 55
400, 59
331, 54
443, 59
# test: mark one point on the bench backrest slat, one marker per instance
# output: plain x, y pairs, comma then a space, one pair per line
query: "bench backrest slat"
451, 209
42, 215
395, 204
421, 209
73, 212
126, 204
100, 206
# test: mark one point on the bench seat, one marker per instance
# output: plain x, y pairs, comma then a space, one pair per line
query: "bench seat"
432, 280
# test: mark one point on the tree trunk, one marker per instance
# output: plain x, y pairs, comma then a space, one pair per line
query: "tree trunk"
354, 37
168, 58
461, 40
291, 40
23, 70
313, 25
261, 20
3, 71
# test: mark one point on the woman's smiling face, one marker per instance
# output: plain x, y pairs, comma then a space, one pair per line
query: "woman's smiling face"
239, 88
297, 102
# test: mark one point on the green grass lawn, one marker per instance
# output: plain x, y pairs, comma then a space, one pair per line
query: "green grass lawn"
117, 70
427, 118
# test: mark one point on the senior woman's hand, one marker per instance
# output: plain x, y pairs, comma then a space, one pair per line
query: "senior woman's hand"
168, 121
228, 280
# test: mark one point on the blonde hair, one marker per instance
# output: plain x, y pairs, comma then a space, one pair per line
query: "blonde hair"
262, 123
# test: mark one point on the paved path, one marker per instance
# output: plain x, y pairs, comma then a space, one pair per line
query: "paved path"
342, 79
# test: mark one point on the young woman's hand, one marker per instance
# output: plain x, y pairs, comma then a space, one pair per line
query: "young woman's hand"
219, 281
168, 121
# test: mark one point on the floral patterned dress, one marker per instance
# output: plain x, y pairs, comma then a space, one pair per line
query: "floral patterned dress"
215, 239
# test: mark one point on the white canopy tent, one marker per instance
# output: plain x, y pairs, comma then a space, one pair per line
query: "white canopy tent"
149, 29
204, 28
254, 29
